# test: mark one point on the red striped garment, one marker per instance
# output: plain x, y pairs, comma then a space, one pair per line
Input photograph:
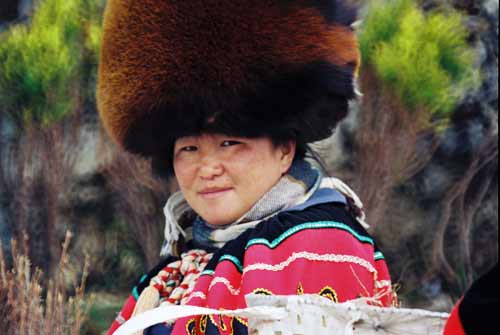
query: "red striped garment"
319, 250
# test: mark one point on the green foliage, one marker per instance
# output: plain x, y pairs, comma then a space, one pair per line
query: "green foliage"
382, 23
424, 57
93, 12
41, 64
102, 311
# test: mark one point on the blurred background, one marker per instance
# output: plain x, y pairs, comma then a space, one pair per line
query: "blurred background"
420, 148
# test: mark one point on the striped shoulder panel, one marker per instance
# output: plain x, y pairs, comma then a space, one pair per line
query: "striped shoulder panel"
322, 216
273, 243
278, 229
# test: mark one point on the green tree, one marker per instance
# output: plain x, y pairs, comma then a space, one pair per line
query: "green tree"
423, 57
42, 63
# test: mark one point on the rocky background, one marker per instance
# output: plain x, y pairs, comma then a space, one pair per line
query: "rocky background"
437, 220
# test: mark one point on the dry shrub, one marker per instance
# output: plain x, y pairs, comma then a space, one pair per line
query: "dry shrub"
27, 308
36, 170
457, 262
387, 141
138, 197
422, 244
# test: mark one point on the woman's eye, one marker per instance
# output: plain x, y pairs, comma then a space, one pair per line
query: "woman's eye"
190, 148
229, 143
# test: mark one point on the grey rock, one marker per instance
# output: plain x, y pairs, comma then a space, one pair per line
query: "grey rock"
25, 8
433, 183
490, 7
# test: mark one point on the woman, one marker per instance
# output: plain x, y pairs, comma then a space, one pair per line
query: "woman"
225, 96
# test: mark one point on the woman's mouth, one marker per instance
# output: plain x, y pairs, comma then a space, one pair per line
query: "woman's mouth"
210, 193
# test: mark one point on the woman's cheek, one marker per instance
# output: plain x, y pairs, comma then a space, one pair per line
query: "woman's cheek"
184, 173
246, 157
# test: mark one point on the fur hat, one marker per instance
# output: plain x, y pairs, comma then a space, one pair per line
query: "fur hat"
173, 68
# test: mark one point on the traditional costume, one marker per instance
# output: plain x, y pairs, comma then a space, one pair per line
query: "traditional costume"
280, 69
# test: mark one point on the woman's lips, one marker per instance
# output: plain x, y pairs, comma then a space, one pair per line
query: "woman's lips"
211, 193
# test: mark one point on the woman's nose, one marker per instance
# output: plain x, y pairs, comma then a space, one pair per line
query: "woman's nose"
211, 169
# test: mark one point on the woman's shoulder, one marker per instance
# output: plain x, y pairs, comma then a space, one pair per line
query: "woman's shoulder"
330, 216
323, 237
324, 212
332, 220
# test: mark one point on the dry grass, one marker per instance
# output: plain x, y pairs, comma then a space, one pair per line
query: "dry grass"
27, 308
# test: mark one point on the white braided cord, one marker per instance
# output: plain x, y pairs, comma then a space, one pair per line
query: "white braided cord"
331, 258
226, 283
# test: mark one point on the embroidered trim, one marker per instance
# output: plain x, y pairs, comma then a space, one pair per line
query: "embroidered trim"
383, 283
191, 327
233, 260
242, 321
197, 294
332, 258
329, 293
379, 256
135, 291
203, 324
207, 273
300, 289
221, 324
120, 319
212, 320
262, 291
225, 282
309, 225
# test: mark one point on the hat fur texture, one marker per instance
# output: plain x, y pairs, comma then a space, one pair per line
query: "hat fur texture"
172, 68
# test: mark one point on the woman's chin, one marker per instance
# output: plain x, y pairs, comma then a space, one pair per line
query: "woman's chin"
221, 210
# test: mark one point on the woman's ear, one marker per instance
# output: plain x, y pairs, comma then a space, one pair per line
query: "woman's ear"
287, 154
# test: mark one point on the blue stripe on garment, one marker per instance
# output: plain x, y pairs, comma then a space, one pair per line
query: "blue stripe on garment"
233, 260
135, 292
379, 256
207, 273
310, 225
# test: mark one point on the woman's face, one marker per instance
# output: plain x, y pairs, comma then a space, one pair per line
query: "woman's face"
222, 177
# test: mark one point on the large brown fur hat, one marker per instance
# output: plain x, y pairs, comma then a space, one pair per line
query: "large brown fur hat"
172, 68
